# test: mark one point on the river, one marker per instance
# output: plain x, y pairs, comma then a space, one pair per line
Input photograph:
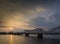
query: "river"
14, 39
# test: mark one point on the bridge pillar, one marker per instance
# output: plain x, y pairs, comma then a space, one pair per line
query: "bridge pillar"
27, 35
40, 36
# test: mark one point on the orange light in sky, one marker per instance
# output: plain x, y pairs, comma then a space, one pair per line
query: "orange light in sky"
6, 28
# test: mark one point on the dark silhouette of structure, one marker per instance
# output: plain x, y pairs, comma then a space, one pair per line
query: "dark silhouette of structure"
38, 31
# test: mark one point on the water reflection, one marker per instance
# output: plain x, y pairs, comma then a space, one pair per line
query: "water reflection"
14, 39
11, 39
5, 39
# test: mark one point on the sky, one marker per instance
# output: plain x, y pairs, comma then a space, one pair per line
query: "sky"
26, 14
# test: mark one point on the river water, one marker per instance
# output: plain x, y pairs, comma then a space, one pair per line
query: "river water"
14, 39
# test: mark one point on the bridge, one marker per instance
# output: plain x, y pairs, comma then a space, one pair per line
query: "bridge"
38, 31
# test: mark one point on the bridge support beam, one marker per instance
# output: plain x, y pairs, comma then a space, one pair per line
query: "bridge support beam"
40, 36
27, 35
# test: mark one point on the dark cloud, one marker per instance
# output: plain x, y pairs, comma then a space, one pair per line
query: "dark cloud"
40, 22
54, 20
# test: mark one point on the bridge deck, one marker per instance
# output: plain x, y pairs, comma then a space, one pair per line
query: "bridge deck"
43, 33
40, 33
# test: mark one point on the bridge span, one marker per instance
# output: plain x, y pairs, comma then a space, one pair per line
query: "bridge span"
39, 35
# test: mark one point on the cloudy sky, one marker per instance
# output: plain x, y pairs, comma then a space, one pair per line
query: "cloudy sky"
26, 14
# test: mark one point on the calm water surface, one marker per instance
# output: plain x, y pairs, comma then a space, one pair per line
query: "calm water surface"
14, 39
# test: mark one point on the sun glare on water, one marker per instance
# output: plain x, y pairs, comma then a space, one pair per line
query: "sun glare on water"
11, 39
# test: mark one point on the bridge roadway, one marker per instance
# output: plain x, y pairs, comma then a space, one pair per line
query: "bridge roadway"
37, 33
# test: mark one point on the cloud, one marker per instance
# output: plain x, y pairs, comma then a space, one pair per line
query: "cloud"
33, 12
55, 18
18, 11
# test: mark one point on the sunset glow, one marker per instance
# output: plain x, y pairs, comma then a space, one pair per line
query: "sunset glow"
6, 29
19, 20
25, 15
